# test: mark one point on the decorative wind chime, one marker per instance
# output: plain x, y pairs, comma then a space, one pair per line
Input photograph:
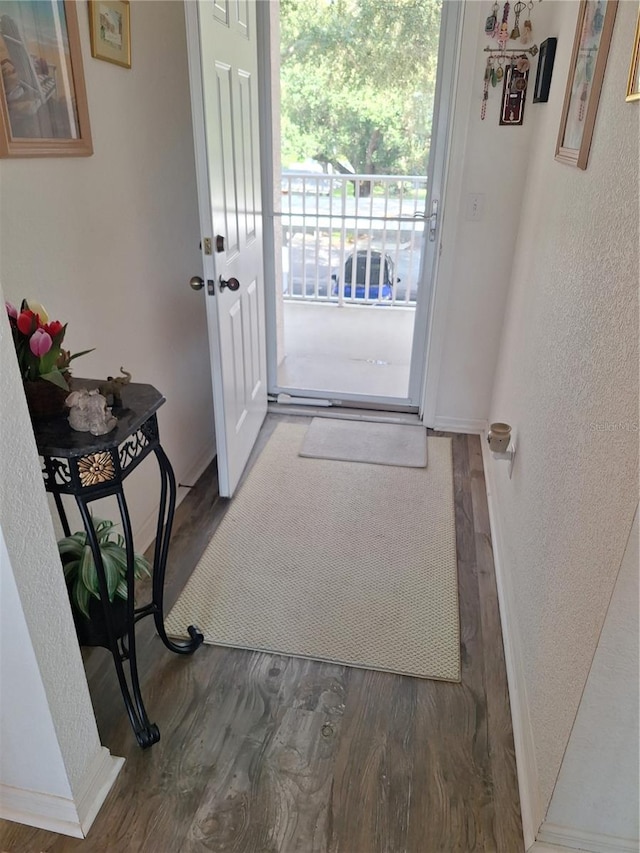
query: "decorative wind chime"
509, 64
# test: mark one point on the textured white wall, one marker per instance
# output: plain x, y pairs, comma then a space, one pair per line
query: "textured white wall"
30, 756
109, 242
28, 532
568, 381
597, 789
477, 256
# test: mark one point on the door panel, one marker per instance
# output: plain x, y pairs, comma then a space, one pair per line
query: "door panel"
221, 11
224, 173
222, 51
247, 112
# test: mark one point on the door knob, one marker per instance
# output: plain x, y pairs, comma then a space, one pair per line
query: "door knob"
196, 283
232, 284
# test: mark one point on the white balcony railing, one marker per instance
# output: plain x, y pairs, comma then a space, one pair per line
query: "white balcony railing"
352, 239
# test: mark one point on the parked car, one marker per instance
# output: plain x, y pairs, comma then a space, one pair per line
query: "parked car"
388, 280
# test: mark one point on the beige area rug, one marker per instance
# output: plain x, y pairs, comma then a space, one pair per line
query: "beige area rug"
338, 561
402, 445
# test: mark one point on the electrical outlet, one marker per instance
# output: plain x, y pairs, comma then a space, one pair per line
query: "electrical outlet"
475, 207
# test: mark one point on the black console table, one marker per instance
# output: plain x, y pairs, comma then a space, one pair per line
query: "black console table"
89, 468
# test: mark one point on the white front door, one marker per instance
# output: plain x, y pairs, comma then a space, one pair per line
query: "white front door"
222, 42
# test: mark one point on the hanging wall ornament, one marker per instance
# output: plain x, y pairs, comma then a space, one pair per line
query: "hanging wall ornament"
503, 30
485, 89
514, 92
527, 27
518, 9
492, 21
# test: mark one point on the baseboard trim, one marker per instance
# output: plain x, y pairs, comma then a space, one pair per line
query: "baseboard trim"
59, 814
200, 465
97, 782
569, 839
541, 847
530, 805
465, 425
44, 811
146, 533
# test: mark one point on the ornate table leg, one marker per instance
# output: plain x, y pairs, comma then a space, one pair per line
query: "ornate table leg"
163, 535
146, 732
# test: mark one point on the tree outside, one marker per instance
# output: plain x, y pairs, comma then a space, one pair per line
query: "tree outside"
358, 83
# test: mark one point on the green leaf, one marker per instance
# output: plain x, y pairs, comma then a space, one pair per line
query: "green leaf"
81, 597
49, 360
111, 573
87, 573
70, 569
141, 566
56, 378
103, 530
122, 591
78, 354
67, 546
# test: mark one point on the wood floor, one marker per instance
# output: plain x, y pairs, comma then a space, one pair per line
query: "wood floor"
263, 753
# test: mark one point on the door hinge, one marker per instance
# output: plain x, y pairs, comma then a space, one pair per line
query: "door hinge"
207, 245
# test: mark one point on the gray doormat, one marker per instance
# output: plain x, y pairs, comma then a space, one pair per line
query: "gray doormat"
401, 445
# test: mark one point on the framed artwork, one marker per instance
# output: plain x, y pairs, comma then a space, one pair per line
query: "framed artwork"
586, 73
110, 31
633, 84
545, 70
43, 101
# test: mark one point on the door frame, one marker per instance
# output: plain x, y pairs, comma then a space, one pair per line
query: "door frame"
430, 315
449, 56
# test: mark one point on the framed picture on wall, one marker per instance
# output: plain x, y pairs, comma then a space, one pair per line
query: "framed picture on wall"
633, 84
43, 102
110, 31
586, 73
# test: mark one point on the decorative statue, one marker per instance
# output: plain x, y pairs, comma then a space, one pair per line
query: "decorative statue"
113, 387
90, 413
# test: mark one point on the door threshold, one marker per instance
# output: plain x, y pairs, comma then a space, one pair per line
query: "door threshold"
353, 412
297, 398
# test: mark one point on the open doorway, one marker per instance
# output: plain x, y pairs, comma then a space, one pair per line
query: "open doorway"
353, 119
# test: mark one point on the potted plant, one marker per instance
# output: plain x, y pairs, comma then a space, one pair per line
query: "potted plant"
82, 581
44, 364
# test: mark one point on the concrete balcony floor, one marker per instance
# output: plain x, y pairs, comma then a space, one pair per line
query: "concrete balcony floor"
353, 349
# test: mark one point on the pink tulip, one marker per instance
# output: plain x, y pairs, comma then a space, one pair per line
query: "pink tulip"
12, 311
40, 343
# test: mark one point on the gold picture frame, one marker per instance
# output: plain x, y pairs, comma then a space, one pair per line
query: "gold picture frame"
586, 73
43, 101
110, 31
633, 83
